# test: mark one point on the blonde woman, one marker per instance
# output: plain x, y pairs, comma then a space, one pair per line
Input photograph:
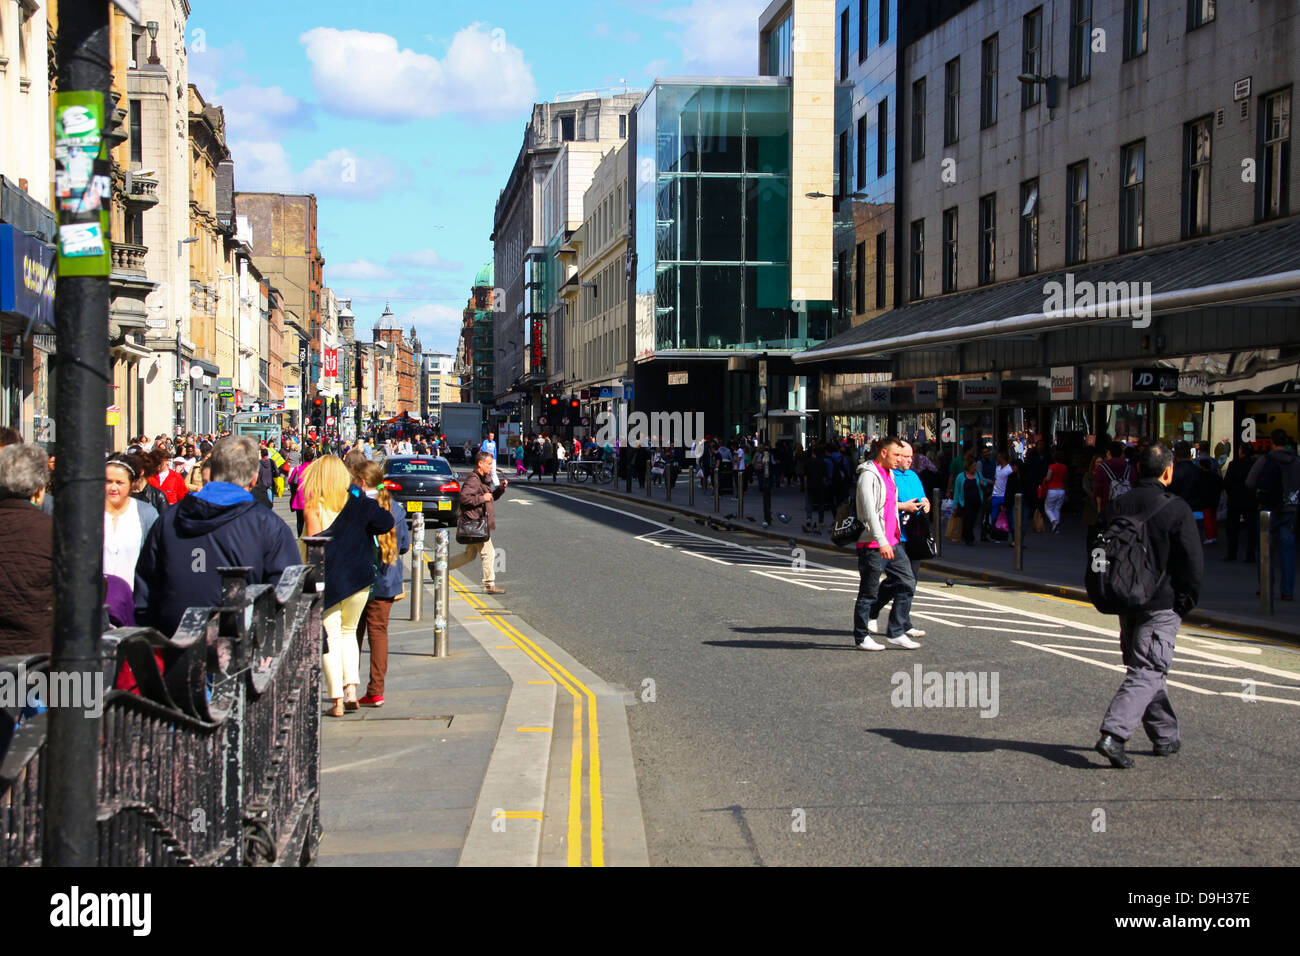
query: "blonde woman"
350, 521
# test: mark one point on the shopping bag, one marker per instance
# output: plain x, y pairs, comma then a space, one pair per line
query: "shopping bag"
953, 531
1039, 525
1002, 524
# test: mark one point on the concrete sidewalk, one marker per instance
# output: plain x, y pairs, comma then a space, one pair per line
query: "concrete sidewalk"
399, 783
1052, 563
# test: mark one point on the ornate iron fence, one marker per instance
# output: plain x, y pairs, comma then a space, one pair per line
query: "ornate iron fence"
216, 762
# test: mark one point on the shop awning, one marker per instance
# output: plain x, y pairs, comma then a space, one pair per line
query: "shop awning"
1223, 270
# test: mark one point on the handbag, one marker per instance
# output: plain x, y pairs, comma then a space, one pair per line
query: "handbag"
920, 538
847, 528
472, 530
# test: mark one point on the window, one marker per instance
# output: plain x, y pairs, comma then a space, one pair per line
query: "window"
880, 271
1080, 41
918, 259
918, 120
622, 126
989, 82
137, 48
1135, 28
135, 228
844, 165
1132, 160
1031, 58
860, 280
862, 150
1199, 13
566, 127
841, 284
951, 99
1076, 213
882, 138
1029, 227
949, 277
988, 238
884, 20
844, 44
137, 133
1275, 162
863, 7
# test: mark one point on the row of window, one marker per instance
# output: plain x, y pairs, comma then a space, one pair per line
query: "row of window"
864, 31
882, 148
607, 220
1273, 187
602, 353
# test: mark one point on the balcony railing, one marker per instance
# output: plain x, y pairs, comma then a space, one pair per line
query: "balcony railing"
143, 192
128, 257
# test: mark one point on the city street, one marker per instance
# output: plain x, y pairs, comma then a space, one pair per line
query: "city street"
771, 740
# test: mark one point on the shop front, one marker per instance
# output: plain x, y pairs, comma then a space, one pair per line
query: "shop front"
26, 312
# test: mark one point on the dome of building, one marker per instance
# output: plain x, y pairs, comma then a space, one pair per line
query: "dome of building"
484, 278
388, 321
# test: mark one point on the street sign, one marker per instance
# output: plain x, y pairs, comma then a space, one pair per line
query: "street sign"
330, 420
762, 373
541, 419
678, 378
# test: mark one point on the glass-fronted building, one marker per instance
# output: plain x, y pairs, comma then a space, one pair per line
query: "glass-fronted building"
713, 219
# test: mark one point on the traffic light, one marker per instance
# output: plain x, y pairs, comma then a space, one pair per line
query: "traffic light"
318, 411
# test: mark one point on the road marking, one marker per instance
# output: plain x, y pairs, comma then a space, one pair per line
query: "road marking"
534, 730
539, 681
369, 760
1110, 667
578, 691
521, 814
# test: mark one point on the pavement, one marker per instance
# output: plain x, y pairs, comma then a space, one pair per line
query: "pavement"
1052, 563
506, 752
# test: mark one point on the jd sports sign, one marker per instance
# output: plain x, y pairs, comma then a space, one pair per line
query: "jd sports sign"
1155, 380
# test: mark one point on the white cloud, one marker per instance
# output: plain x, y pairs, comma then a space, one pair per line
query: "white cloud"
341, 173
361, 270
208, 67
261, 113
356, 73
718, 37
437, 325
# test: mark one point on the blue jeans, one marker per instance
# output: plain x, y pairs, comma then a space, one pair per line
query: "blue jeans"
899, 586
1283, 545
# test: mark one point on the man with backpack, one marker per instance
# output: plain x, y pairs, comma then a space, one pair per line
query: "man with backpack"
1147, 567
1113, 478
1275, 478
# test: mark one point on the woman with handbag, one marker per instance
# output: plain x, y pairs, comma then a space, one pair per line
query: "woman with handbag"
1052, 491
390, 577
478, 521
350, 522
969, 498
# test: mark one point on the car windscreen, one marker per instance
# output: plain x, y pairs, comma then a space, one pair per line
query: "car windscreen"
430, 467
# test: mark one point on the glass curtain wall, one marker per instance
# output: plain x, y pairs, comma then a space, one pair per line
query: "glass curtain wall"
713, 218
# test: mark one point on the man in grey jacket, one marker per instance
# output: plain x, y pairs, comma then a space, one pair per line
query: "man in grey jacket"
880, 552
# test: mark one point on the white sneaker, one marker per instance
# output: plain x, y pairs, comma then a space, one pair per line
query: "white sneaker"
915, 632
869, 645
873, 626
903, 642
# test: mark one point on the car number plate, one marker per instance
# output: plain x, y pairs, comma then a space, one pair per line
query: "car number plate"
413, 506
444, 505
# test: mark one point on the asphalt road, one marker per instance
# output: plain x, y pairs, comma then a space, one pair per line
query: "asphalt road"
771, 740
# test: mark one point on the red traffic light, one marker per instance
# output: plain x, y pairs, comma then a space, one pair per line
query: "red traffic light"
573, 403
554, 402
317, 402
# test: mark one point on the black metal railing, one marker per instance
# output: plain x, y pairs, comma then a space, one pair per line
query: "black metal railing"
216, 761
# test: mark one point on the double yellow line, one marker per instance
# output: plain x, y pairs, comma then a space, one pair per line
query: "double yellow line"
581, 694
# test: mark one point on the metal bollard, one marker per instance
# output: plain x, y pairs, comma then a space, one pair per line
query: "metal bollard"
417, 566
717, 473
1018, 529
740, 494
668, 479
1265, 563
648, 468
936, 520
690, 493
441, 593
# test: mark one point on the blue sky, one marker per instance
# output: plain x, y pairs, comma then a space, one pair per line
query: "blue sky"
404, 117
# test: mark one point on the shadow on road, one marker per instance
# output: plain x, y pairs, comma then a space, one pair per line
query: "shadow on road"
1066, 756
782, 645
843, 632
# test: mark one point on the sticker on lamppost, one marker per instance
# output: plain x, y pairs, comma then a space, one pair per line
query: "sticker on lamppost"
82, 183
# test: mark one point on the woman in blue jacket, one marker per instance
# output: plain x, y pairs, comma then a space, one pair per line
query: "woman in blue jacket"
390, 578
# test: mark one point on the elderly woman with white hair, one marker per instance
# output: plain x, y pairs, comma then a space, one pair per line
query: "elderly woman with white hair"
26, 552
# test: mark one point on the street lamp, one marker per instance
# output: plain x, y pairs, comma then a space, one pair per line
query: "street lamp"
181, 243
152, 27
1053, 84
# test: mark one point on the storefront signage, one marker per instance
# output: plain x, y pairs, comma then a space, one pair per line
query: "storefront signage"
331, 363
681, 378
980, 390
927, 393
1022, 390
1155, 380
1063, 383
26, 276
878, 395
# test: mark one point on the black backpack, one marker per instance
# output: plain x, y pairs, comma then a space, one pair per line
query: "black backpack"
1122, 575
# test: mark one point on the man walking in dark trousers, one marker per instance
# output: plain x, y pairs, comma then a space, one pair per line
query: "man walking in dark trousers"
880, 551
1147, 633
